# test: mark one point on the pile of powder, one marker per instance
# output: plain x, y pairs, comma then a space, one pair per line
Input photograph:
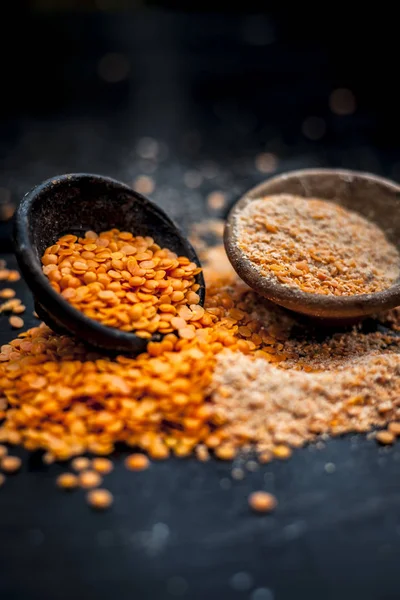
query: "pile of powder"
260, 404
316, 246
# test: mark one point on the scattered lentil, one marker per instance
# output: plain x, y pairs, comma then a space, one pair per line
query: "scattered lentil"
89, 479
3, 451
394, 428
316, 246
137, 462
7, 293
100, 499
17, 310
10, 464
102, 465
262, 502
16, 322
385, 437
8, 275
282, 452
2, 479
81, 463
67, 481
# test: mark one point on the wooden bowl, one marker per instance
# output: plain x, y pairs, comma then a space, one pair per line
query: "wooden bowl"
375, 198
74, 204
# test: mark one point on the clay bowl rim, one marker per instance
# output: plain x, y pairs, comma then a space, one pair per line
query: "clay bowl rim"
313, 305
55, 304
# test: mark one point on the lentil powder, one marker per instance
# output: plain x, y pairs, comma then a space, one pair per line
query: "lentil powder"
316, 246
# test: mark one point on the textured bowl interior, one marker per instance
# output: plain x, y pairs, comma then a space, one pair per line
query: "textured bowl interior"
74, 204
376, 198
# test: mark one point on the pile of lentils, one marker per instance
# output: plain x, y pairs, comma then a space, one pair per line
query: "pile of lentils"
240, 373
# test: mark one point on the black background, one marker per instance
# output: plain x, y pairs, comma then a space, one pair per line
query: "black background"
217, 85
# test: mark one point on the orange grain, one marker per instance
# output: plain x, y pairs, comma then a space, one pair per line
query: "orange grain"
137, 462
99, 499
67, 481
10, 464
262, 502
134, 287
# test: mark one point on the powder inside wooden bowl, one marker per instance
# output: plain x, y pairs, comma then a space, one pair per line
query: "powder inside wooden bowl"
317, 246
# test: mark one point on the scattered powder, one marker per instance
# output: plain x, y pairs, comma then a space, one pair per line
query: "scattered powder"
316, 246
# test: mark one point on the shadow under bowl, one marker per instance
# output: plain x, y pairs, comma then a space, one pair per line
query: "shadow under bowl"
373, 197
76, 203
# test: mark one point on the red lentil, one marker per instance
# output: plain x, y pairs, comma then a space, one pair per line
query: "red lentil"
67, 481
16, 322
102, 465
99, 499
125, 282
81, 463
385, 437
137, 462
262, 502
89, 479
10, 464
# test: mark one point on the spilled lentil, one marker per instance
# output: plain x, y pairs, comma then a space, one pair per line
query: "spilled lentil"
262, 502
99, 499
251, 376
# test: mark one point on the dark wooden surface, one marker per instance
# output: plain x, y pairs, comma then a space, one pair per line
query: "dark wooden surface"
210, 88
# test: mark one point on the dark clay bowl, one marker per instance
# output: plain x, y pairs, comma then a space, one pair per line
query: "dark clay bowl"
373, 197
74, 204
